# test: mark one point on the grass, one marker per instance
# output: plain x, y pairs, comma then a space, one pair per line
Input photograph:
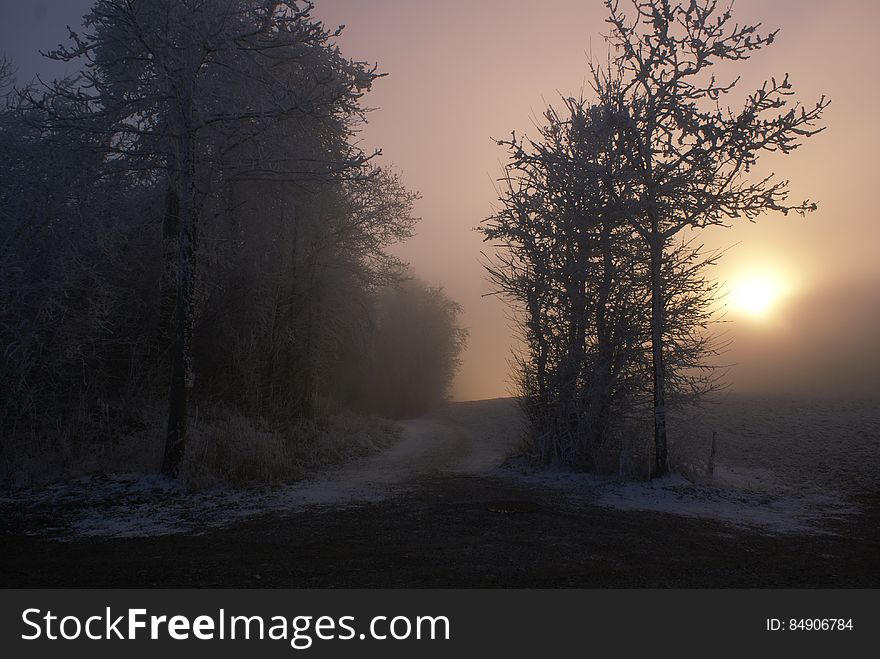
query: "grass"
234, 450
224, 449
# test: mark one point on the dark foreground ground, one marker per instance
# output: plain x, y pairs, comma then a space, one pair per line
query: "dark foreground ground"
445, 534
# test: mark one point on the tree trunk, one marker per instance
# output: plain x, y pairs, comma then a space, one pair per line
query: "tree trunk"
168, 281
661, 462
538, 409
181, 357
570, 396
602, 379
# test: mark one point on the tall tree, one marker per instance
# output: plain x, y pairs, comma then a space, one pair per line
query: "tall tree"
564, 259
568, 260
691, 156
181, 83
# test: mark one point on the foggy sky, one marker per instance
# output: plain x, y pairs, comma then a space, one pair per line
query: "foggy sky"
463, 73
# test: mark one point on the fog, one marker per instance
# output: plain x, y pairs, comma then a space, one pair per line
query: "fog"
231, 327
459, 77
824, 343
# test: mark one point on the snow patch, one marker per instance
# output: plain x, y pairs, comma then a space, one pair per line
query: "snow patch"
781, 466
771, 510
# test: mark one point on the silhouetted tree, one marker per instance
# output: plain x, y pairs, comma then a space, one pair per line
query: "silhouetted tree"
577, 276
6, 75
290, 226
181, 84
690, 157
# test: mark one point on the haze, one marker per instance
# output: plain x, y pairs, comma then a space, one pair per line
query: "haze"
461, 76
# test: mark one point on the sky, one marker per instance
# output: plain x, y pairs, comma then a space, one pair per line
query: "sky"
803, 308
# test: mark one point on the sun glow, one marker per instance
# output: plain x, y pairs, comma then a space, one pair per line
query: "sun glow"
756, 296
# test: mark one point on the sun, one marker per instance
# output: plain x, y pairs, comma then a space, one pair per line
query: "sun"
756, 295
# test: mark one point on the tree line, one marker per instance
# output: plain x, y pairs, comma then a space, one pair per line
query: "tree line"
189, 217
599, 220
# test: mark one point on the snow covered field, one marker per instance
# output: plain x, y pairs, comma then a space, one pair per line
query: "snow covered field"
786, 465
781, 465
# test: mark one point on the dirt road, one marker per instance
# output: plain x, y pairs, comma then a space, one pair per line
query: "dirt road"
466, 439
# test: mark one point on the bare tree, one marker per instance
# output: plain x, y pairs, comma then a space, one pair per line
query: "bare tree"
177, 84
76, 258
293, 294
691, 156
7, 75
577, 276
563, 261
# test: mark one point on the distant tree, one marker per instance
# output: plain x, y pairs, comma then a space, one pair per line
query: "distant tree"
413, 351
690, 157
292, 297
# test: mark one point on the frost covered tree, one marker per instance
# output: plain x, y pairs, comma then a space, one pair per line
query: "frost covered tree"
691, 154
76, 256
294, 293
277, 294
567, 259
179, 86
563, 262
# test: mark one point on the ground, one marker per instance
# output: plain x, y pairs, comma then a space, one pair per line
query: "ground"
785, 508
